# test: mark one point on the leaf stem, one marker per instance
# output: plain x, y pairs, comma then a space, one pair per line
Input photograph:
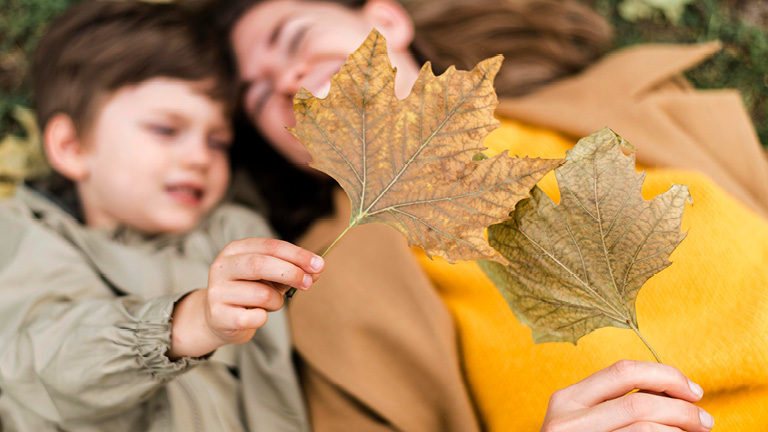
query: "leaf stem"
634, 327
292, 291
335, 241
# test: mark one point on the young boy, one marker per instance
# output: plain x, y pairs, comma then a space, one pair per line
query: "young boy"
121, 312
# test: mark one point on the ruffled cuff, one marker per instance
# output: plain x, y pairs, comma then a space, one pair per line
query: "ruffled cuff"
152, 338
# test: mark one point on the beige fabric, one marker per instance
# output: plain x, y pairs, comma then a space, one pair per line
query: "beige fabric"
640, 94
84, 327
377, 345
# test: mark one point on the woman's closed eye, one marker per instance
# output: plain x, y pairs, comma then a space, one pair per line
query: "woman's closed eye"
288, 35
296, 39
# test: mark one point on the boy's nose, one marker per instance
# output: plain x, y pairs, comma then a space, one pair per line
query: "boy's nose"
197, 155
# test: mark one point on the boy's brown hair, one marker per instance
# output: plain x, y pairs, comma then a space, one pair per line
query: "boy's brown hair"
97, 47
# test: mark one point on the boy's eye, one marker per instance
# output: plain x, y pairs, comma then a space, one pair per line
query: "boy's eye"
166, 131
219, 144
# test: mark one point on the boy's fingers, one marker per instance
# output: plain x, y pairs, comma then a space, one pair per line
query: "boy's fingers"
243, 294
642, 407
256, 267
627, 375
246, 319
300, 257
281, 288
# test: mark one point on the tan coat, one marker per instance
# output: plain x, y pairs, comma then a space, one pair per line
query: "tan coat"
84, 327
378, 347
640, 94
377, 344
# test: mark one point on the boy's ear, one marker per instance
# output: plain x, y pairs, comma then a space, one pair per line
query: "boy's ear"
394, 23
64, 148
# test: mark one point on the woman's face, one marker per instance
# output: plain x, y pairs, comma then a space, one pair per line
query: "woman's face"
283, 45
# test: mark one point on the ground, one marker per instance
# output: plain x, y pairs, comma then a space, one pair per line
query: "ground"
742, 25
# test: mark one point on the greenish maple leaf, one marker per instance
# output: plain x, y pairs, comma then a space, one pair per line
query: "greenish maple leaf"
579, 265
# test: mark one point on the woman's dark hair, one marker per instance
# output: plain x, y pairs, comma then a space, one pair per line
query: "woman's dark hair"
542, 40
290, 198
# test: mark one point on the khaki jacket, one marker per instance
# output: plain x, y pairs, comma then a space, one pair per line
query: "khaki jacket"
84, 327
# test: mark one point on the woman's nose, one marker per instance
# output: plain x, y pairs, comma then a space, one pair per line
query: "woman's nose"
288, 81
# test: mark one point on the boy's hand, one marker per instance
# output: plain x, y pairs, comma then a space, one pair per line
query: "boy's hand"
247, 280
601, 402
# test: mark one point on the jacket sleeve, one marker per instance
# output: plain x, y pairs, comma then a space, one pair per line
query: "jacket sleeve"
69, 348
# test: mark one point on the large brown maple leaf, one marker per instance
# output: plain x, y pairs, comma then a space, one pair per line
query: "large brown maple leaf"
408, 163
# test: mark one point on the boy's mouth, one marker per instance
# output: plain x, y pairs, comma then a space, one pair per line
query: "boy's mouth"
186, 193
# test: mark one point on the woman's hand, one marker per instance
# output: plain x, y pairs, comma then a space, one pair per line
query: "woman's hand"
247, 280
601, 403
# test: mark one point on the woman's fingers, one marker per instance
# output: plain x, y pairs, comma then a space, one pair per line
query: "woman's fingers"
602, 401
639, 407
627, 375
256, 266
648, 427
283, 250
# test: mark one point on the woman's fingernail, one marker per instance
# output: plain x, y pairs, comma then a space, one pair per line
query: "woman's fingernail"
706, 419
696, 389
307, 281
316, 263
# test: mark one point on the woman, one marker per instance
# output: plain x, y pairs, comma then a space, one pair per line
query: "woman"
284, 44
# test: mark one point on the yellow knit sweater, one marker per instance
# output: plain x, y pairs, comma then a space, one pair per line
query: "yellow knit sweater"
707, 314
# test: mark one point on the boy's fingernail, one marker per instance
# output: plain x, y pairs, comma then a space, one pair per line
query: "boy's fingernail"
706, 419
316, 263
696, 389
307, 281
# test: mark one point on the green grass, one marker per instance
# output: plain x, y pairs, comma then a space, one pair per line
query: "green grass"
22, 23
743, 62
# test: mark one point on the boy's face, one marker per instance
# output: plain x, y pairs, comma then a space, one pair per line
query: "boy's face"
156, 157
